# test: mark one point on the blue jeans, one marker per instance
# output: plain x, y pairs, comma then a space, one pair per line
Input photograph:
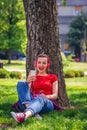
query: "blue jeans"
35, 105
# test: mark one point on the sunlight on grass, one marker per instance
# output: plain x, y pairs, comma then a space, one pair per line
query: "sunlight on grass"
70, 119
15, 64
76, 66
76, 81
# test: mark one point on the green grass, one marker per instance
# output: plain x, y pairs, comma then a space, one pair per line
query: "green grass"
70, 119
77, 66
15, 64
74, 118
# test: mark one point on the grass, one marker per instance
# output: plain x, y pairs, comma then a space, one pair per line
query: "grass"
74, 118
18, 64
77, 66
70, 119
15, 64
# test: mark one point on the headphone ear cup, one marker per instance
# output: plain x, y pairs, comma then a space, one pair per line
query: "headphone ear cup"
48, 65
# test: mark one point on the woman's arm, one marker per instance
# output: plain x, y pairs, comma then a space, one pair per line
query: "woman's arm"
30, 79
53, 96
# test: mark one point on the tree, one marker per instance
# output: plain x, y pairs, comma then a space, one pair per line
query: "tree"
12, 27
43, 37
76, 33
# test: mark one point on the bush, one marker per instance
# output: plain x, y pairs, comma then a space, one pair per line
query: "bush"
64, 59
73, 73
77, 74
69, 58
16, 74
81, 73
69, 74
4, 73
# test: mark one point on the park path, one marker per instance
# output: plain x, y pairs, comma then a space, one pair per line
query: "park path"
16, 70
85, 73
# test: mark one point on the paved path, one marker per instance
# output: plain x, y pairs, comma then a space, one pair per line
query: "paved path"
16, 70
85, 73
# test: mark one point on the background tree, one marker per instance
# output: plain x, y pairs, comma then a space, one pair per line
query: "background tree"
12, 27
43, 37
76, 33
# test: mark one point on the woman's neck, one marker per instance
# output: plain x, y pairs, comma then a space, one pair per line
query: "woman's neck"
42, 74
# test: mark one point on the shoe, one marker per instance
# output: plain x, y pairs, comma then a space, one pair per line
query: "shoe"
19, 117
38, 116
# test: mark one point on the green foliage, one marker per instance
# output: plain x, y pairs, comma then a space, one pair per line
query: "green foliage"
16, 74
64, 59
4, 73
69, 74
12, 26
64, 2
77, 28
13, 74
73, 73
69, 58
76, 33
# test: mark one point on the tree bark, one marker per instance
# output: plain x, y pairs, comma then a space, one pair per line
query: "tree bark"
43, 37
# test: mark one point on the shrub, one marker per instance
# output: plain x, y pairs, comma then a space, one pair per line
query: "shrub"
69, 74
16, 74
81, 73
73, 73
64, 59
4, 73
77, 74
69, 58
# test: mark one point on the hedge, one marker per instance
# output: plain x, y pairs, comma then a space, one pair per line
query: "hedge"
73, 73
13, 74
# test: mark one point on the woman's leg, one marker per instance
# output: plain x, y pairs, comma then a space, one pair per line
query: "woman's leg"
24, 94
35, 106
40, 105
48, 106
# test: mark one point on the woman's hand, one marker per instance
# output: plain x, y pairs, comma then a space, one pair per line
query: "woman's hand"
42, 95
54, 94
30, 79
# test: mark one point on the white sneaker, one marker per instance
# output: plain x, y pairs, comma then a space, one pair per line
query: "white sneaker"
38, 116
19, 117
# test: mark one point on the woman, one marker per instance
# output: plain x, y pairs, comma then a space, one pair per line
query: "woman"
38, 93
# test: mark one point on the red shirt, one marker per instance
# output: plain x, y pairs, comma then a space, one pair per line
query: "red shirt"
43, 84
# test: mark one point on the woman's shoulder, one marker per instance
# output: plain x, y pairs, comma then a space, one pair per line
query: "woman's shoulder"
53, 77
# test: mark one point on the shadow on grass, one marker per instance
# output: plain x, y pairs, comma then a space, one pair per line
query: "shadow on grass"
5, 125
77, 112
78, 99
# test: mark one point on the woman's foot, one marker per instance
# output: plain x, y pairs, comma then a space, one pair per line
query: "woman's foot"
19, 117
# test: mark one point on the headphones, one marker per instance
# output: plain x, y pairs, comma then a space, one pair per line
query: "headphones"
42, 55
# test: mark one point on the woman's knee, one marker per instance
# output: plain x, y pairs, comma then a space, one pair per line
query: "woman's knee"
21, 85
41, 100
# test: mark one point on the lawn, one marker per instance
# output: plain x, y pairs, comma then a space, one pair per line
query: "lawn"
15, 65
74, 118
77, 66
20, 65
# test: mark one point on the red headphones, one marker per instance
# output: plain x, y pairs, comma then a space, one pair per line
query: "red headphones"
43, 55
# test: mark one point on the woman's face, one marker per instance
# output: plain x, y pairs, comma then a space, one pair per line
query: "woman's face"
41, 64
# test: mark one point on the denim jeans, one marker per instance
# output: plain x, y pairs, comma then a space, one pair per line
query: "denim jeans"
35, 105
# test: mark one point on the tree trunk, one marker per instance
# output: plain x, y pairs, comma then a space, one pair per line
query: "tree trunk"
43, 37
78, 52
8, 53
